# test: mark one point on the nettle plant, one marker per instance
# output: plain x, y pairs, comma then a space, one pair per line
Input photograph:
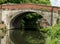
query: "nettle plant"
52, 34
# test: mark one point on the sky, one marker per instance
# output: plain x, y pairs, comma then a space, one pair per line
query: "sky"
55, 3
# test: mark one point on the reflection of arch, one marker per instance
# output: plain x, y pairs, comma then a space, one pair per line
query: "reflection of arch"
17, 18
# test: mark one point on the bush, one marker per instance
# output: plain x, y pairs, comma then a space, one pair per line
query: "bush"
53, 34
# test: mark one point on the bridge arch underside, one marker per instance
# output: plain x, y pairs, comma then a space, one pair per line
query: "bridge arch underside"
16, 21
22, 37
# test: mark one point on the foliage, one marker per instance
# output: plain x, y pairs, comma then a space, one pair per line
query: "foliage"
44, 2
53, 34
3, 1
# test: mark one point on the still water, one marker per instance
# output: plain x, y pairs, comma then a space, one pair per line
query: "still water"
27, 37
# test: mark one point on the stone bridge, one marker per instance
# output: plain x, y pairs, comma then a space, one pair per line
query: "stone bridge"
8, 13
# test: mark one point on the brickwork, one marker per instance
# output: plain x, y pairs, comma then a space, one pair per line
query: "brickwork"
23, 6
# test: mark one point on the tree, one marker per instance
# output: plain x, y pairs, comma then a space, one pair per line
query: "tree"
3, 1
44, 2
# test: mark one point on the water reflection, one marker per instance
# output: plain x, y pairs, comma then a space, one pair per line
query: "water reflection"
26, 36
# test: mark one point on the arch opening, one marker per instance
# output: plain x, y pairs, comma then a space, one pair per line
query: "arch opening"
15, 22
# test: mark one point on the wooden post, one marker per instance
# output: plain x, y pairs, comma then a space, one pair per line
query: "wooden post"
52, 16
0, 40
0, 16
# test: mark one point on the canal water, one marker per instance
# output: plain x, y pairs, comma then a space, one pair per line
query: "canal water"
27, 37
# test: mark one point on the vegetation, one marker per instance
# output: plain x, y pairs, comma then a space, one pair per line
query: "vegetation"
53, 34
3, 1
44, 2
